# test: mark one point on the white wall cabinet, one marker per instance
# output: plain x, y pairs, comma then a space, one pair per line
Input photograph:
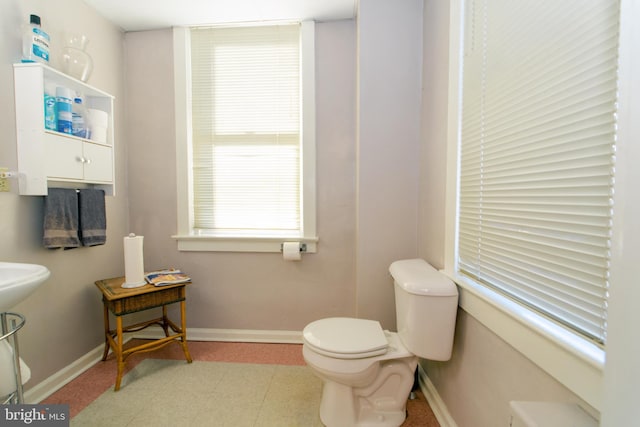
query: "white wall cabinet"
49, 158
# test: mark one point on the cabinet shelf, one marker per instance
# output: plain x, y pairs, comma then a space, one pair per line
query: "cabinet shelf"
49, 158
56, 134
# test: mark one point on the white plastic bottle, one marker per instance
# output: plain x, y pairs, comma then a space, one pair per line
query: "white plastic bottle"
79, 118
35, 42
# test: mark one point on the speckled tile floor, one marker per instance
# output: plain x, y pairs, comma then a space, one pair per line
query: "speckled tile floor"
88, 387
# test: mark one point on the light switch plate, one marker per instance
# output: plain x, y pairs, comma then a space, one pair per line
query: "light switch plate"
4, 181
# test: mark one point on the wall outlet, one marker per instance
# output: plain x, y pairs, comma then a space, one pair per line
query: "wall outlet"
5, 186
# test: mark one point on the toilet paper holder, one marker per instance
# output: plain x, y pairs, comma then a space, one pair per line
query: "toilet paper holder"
303, 247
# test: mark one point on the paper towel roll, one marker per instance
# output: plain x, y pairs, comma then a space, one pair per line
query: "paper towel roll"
291, 251
133, 262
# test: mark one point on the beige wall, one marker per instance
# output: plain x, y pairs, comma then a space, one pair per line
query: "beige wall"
485, 373
389, 70
435, 87
64, 316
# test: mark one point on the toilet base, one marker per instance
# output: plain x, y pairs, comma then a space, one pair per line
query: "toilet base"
380, 404
346, 415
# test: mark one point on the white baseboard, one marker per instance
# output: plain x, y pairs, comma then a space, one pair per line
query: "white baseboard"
44, 389
435, 401
229, 335
64, 376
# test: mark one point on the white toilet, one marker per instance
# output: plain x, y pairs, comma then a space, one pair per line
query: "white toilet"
368, 373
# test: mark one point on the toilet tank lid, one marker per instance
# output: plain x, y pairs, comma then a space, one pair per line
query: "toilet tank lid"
416, 276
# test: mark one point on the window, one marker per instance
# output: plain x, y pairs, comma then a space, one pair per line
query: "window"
537, 155
573, 359
250, 171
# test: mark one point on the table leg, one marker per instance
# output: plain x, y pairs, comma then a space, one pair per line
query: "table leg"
119, 352
183, 325
165, 322
106, 333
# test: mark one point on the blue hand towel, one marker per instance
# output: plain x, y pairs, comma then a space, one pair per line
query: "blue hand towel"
61, 219
93, 218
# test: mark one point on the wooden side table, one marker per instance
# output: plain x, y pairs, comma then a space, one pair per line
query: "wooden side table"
121, 301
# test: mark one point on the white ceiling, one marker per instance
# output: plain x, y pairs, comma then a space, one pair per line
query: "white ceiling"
139, 15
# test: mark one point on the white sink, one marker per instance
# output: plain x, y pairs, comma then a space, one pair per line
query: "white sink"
18, 281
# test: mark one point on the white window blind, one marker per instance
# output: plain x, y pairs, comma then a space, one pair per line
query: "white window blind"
246, 109
537, 154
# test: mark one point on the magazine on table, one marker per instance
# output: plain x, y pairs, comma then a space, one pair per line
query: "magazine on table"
166, 277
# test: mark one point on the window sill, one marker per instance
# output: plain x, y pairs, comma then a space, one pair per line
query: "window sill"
575, 362
240, 243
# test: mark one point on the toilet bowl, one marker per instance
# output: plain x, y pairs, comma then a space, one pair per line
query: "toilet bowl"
368, 372
362, 390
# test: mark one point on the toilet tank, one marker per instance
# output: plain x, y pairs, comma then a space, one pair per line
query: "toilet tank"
426, 308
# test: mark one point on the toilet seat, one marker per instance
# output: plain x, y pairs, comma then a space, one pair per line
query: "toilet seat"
346, 338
